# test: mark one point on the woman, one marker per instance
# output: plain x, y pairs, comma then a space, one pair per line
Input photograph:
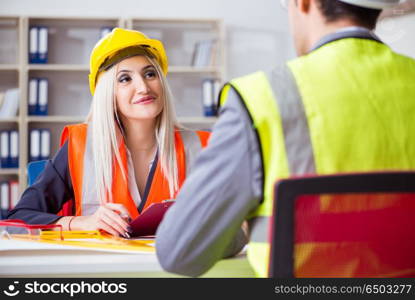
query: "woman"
130, 153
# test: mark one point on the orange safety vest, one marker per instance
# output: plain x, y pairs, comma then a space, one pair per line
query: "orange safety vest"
159, 190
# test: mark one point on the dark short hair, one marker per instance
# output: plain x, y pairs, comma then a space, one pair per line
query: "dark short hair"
334, 10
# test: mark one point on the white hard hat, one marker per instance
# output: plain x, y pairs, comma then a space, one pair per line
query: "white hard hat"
376, 4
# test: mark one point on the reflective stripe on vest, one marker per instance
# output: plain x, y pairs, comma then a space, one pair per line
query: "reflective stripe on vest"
188, 145
300, 156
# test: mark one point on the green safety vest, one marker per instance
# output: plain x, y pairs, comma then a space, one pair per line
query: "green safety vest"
348, 106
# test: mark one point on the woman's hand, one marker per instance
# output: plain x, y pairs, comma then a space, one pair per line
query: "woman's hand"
111, 217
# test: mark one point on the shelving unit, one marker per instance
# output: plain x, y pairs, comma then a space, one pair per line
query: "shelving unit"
58, 67
9, 67
11, 76
70, 41
9, 172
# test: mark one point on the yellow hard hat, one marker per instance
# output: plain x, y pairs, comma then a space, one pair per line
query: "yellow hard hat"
117, 40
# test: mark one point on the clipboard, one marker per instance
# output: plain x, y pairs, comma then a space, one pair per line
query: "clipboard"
149, 220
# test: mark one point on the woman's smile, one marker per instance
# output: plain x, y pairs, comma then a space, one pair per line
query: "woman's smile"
145, 100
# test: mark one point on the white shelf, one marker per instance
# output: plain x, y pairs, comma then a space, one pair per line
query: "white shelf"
5, 171
196, 70
58, 67
9, 120
56, 119
9, 67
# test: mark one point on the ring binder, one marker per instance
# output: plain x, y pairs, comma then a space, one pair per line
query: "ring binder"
33, 45
43, 45
14, 149
44, 144
42, 103
4, 149
34, 145
33, 96
4, 196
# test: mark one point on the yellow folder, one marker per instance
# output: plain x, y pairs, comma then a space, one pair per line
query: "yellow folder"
89, 239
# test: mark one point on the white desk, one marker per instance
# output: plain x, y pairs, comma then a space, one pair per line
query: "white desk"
90, 263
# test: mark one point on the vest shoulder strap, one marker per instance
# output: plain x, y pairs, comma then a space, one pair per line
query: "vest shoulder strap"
76, 136
79, 130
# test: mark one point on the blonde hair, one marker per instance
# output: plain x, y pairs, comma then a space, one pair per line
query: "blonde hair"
107, 131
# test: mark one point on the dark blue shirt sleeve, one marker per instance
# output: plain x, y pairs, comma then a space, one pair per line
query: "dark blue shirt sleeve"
41, 201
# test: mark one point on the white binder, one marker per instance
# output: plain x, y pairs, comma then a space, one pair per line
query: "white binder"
14, 149
14, 193
33, 95
34, 144
43, 44
45, 144
207, 97
4, 149
207, 92
4, 195
43, 97
33, 45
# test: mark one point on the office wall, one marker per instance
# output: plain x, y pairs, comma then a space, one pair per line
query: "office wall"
398, 32
257, 31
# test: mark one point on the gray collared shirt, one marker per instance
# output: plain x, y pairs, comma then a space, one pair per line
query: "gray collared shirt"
226, 185
204, 225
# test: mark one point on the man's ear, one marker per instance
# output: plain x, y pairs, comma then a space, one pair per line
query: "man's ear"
304, 5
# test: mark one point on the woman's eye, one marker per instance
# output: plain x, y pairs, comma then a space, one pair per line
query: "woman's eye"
124, 79
150, 74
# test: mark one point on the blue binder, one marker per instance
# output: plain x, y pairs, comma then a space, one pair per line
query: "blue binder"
33, 44
4, 149
14, 149
33, 96
38, 45
43, 45
34, 145
44, 144
209, 109
42, 99
4, 195
38, 96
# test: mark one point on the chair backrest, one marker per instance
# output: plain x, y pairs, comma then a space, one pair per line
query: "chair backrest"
34, 169
352, 225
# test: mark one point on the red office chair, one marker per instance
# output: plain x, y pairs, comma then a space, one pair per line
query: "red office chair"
354, 225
